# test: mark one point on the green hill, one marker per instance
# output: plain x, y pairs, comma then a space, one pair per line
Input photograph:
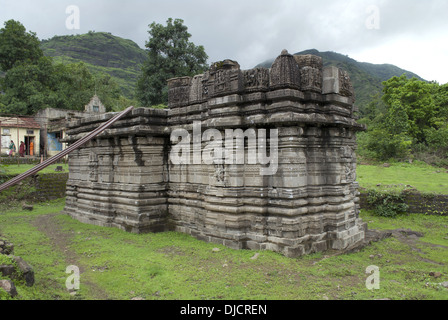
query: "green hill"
122, 59
367, 78
101, 52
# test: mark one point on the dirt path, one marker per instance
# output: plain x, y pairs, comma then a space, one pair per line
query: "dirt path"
48, 225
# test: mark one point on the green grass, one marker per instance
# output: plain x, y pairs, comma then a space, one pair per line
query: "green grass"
166, 266
420, 176
19, 169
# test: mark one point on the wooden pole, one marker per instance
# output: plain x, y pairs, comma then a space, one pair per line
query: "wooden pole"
0, 142
18, 141
65, 152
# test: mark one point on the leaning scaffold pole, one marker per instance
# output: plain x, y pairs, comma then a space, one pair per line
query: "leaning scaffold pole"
65, 152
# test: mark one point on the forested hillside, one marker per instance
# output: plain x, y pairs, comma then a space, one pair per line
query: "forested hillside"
367, 78
101, 52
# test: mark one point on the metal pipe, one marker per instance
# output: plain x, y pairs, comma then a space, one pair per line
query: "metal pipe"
65, 152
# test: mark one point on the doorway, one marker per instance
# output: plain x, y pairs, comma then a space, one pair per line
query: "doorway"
29, 146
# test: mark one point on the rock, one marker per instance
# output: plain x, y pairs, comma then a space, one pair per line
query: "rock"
7, 270
27, 207
435, 274
26, 270
9, 287
408, 232
6, 247
373, 235
137, 298
255, 257
444, 284
386, 165
216, 249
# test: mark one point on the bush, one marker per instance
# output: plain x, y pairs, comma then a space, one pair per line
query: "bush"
383, 145
387, 203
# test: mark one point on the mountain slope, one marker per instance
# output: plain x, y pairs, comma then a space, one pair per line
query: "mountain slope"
101, 52
366, 77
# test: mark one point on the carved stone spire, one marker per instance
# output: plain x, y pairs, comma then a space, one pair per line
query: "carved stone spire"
285, 72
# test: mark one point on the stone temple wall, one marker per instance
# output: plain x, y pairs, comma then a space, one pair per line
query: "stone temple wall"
127, 176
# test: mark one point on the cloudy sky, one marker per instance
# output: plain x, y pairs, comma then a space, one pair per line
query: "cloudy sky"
411, 34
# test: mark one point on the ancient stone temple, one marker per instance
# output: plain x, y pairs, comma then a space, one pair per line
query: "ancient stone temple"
253, 159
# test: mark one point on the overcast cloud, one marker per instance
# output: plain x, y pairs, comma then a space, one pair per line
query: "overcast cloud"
411, 34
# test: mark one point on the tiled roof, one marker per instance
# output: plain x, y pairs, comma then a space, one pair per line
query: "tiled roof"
9, 122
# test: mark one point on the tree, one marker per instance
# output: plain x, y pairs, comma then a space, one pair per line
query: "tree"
416, 103
31, 87
414, 119
17, 45
170, 54
76, 86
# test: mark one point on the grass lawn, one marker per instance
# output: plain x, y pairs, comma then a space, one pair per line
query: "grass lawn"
18, 169
420, 176
168, 266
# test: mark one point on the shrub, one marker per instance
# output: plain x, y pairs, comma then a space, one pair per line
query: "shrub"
387, 203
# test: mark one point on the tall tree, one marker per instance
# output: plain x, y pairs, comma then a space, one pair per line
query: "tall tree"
415, 99
31, 87
170, 54
17, 45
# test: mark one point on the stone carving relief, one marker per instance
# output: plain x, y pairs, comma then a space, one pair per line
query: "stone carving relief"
345, 85
196, 89
179, 91
93, 166
225, 78
256, 79
310, 72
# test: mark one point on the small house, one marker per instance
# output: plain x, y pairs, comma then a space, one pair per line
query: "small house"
53, 124
18, 129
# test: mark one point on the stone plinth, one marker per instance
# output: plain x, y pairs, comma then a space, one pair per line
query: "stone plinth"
296, 113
